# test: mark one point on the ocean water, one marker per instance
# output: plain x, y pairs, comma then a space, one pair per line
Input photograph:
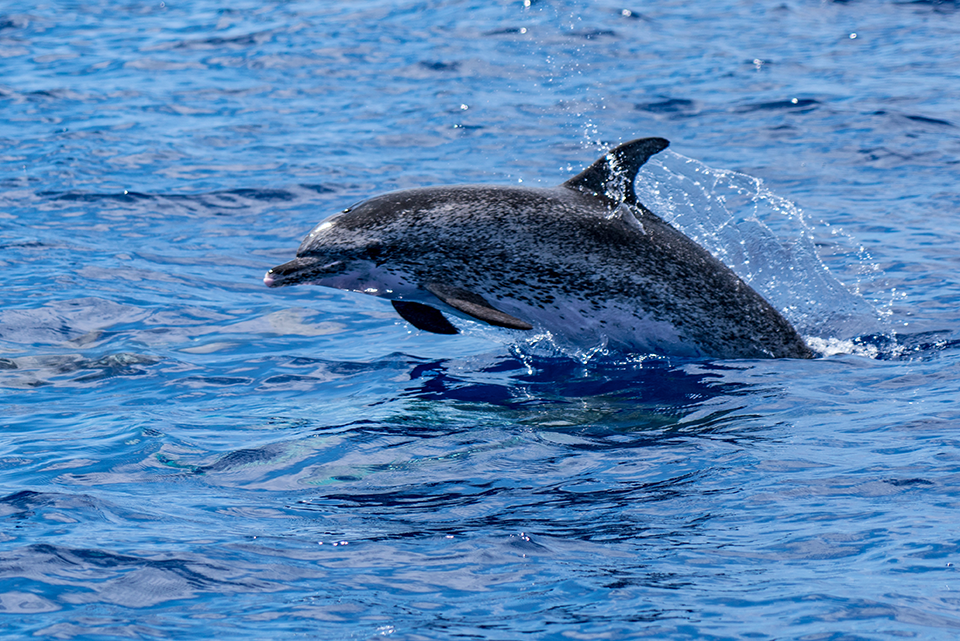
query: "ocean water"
187, 454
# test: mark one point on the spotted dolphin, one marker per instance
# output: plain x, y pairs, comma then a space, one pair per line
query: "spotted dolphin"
584, 261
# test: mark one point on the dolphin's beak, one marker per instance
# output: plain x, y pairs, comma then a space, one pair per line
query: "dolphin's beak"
270, 279
297, 271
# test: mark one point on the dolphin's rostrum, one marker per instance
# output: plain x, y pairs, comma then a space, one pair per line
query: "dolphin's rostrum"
584, 261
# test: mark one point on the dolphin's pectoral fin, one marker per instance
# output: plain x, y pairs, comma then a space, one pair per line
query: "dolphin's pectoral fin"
424, 317
611, 177
476, 306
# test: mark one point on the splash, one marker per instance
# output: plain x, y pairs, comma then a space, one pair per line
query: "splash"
835, 346
763, 238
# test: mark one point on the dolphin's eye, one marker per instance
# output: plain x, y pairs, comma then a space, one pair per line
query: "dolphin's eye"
372, 252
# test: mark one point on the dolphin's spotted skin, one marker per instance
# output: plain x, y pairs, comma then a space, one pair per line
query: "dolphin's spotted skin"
583, 260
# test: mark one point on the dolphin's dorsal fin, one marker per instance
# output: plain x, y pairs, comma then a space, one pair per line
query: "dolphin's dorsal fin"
424, 317
612, 176
475, 305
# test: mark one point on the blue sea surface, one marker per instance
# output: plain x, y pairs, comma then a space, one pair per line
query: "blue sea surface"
187, 454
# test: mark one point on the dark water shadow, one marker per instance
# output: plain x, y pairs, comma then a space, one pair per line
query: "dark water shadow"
661, 391
660, 380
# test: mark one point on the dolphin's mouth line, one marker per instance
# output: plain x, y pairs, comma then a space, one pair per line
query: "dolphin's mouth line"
298, 271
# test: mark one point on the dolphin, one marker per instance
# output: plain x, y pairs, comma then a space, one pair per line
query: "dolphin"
584, 261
